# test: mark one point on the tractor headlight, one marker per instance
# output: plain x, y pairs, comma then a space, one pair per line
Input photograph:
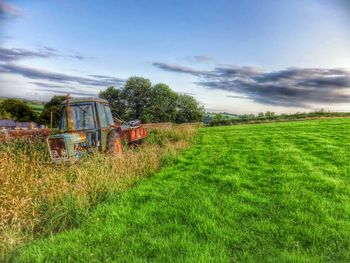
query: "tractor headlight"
63, 153
54, 154
57, 148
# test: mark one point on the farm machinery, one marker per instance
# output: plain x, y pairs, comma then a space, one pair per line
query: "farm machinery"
87, 125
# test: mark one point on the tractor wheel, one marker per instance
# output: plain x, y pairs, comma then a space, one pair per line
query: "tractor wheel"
114, 143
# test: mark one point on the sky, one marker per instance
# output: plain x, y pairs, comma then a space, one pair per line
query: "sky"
241, 57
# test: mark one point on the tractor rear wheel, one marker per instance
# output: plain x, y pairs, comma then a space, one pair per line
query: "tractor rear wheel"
114, 143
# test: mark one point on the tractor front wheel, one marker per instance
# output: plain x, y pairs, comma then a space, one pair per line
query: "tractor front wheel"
114, 143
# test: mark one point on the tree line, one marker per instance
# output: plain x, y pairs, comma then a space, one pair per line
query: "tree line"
137, 99
269, 116
17, 110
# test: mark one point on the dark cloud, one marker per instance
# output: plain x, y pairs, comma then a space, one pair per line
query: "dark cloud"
8, 57
45, 85
8, 11
60, 78
180, 69
293, 87
15, 54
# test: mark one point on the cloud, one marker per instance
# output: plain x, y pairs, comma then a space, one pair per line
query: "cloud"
77, 57
237, 97
292, 87
50, 81
68, 91
63, 89
15, 54
38, 74
8, 11
108, 79
200, 59
48, 86
45, 85
179, 69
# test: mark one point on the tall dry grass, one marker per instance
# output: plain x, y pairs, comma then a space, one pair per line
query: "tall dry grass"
37, 198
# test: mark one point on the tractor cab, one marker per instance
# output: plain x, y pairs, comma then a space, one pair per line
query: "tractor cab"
86, 125
91, 117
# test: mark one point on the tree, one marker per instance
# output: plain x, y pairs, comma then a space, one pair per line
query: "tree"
54, 106
139, 100
261, 115
218, 117
269, 114
137, 92
116, 101
4, 114
250, 116
188, 109
18, 110
162, 105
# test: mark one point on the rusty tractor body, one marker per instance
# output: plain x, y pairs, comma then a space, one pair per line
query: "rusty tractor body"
87, 125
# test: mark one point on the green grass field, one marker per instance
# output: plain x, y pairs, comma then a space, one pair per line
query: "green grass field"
36, 106
276, 192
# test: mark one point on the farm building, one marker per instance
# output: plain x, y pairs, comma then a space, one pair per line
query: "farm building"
7, 124
15, 125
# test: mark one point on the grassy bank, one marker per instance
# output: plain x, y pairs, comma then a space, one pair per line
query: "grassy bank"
38, 199
253, 193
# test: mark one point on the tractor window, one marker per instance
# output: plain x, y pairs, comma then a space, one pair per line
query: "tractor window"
109, 115
83, 117
102, 115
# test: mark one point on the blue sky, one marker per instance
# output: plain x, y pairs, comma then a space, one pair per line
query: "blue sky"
235, 56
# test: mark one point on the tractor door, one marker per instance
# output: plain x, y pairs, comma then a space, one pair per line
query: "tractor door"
105, 121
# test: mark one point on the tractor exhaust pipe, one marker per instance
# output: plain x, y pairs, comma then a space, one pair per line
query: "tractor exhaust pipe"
69, 115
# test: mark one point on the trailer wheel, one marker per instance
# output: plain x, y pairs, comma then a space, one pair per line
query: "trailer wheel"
114, 143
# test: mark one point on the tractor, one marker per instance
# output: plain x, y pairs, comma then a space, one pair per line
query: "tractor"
87, 125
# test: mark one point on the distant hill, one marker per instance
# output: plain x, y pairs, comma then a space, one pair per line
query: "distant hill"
225, 115
36, 105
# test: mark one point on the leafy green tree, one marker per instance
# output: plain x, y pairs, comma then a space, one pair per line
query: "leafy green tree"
116, 101
219, 117
4, 114
18, 110
162, 105
269, 114
188, 109
261, 115
137, 93
54, 106
250, 116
